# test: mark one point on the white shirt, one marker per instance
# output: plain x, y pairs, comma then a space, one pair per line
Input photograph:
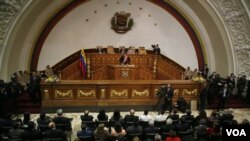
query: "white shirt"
160, 117
145, 117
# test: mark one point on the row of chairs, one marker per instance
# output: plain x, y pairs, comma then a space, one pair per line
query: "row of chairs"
94, 124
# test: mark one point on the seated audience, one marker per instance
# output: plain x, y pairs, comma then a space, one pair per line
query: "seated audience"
131, 117
86, 116
6, 121
188, 118
85, 132
145, 116
118, 133
43, 119
135, 128
101, 132
26, 118
202, 115
54, 133
158, 137
161, 116
102, 115
172, 136
16, 133
151, 129
174, 116
60, 119
31, 133
166, 128
116, 119
201, 130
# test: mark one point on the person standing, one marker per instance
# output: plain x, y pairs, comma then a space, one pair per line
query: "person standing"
169, 98
203, 97
205, 71
124, 60
161, 94
34, 87
223, 95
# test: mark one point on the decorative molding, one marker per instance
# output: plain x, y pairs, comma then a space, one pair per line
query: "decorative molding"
236, 20
122, 93
9, 11
84, 93
46, 94
186, 92
176, 92
102, 92
59, 94
136, 93
155, 92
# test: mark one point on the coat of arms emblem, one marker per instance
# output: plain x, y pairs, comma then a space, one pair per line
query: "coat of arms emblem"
121, 22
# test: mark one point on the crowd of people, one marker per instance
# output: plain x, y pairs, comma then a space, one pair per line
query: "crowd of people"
21, 82
218, 88
131, 127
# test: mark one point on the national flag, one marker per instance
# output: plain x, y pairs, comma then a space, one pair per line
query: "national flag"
83, 64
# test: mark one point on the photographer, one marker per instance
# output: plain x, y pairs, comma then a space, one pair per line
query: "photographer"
156, 49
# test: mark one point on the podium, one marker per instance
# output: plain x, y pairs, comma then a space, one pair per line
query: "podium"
123, 72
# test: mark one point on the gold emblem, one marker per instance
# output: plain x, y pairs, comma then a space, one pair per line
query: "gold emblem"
121, 22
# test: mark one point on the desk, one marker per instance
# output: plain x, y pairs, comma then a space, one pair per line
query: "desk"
112, 92
123, 72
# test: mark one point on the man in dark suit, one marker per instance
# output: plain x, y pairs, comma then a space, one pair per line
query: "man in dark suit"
223, 95
131, 117
34, 87
124, 60
161, 94
169, 98
55, 133
60, 119
86, 116
203, 97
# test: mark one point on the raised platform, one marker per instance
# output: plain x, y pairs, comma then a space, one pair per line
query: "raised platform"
106, 93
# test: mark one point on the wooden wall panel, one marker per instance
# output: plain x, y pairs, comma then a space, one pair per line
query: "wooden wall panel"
113, 92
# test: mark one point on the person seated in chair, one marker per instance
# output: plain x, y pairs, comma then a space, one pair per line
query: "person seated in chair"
31, 133
102, 116
86, 116
85, 132
60, 119
131, 117
124, 59
53, 133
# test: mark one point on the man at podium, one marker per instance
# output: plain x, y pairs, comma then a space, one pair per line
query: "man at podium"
124, 59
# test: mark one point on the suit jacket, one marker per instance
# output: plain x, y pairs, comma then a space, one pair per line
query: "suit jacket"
130, 118
63, 120
55, 133
122, 61
169, 93
86, 118
32, 135
134, 130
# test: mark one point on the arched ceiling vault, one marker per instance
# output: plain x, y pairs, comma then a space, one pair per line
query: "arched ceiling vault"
215, 23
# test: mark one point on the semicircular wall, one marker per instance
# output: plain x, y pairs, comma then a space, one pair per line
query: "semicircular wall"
16, 53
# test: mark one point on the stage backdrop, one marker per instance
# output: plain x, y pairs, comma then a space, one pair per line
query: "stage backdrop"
89, 25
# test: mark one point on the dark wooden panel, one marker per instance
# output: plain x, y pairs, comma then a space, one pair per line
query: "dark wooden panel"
150, 66
113, 92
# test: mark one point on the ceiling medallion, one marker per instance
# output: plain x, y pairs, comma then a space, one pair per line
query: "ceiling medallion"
121, 22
